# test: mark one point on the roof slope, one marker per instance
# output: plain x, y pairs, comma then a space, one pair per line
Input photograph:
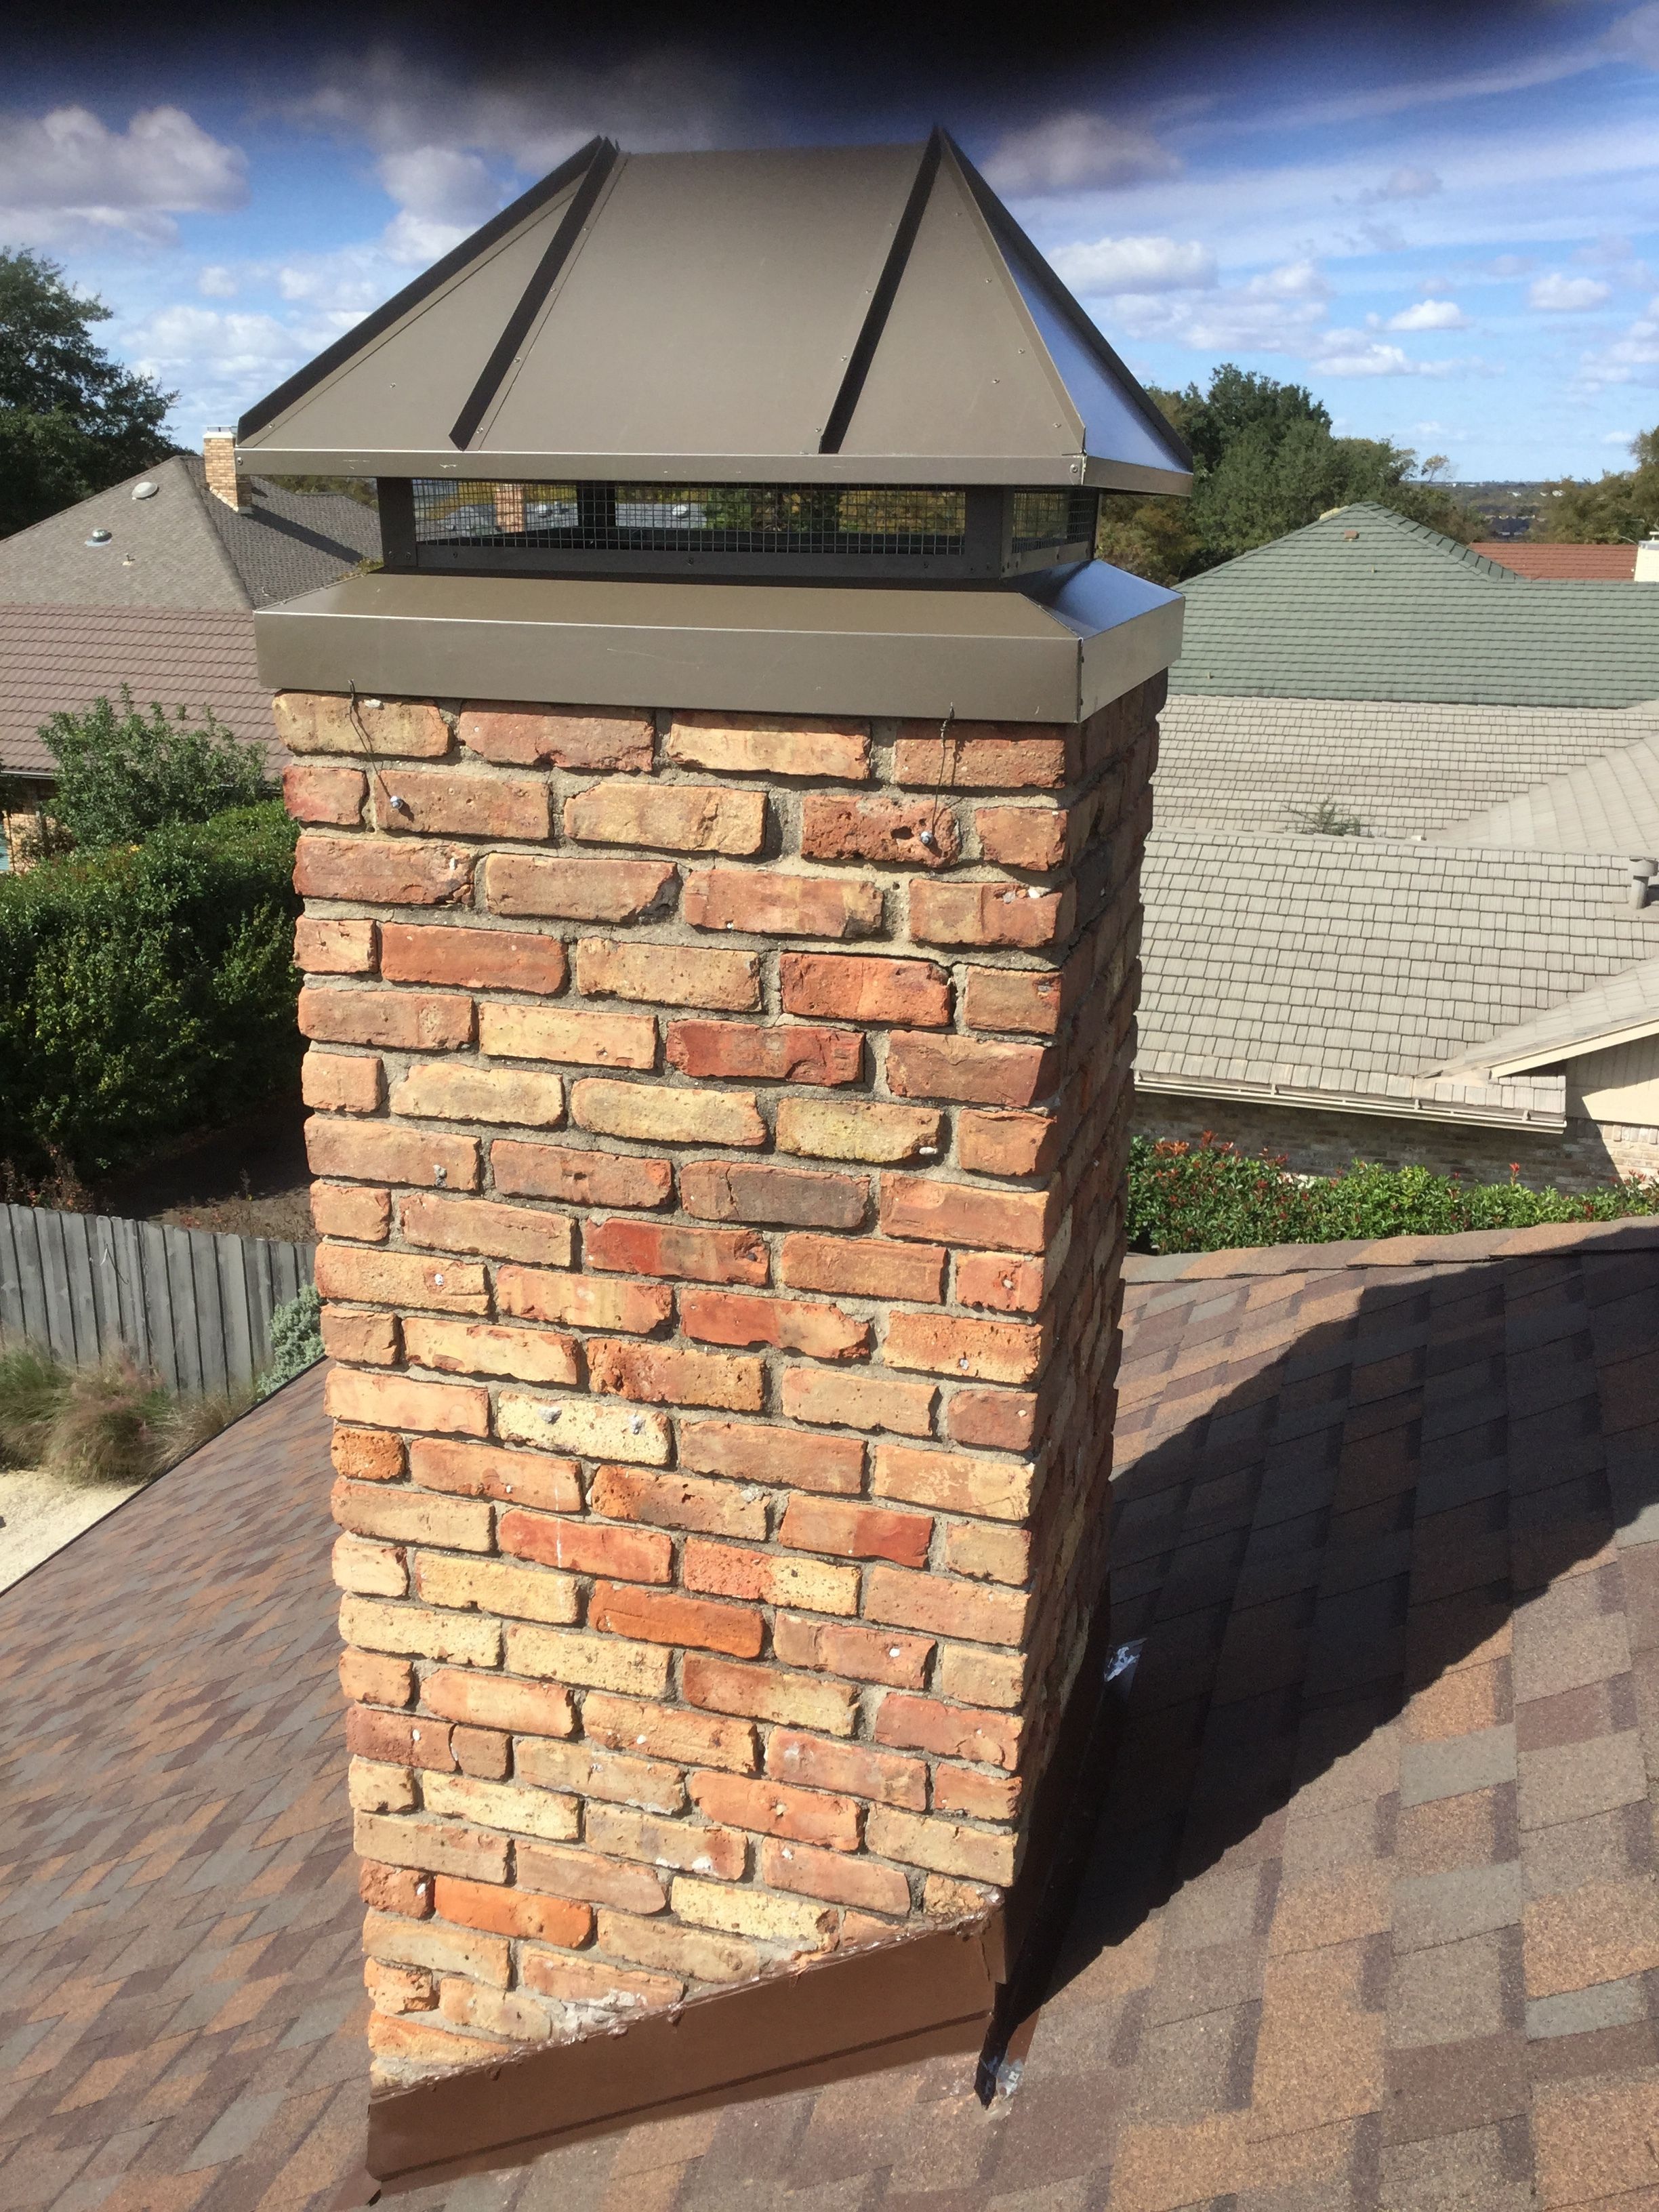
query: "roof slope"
1608, 804
1625, 1006
1364, 604
1561, 564
867, 313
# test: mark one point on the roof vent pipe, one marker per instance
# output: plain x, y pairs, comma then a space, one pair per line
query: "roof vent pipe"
1642, 873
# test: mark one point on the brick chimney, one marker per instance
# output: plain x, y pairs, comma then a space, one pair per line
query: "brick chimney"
219, 458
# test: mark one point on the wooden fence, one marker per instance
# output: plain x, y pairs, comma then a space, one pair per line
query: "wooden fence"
191, 1303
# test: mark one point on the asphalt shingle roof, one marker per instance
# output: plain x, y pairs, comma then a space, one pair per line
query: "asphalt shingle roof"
1625, 1002
1364, 604
1608, 804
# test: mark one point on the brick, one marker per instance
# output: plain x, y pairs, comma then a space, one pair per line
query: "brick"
409, 1021
448, 802
912, 833
1026, 1000
653, 1114
668, 975
496, 2012
857, 1401
989, 913
752, 744
566, 1871
431, 1847
400, 1990
381, 1153
775, 1808
591, 1428
367, 1454
949, 1731
416, 2042
1034, 837
487, 1471
343, 1082
604, 1992
462, 1347
858, 1129
681, 1846
598, 1663
745, 1911
768, 1577
942, 1845
767, 1694
403, 1278
844, 987
867, 1267
584, 1301
699, 1956
476, 1224
492, 1586
558, 737
980, 1797
683, 818
829, 1874
856, 1532
989, 1350
494, 1701
853, 1769
985, 757
943, 1607
666, 1375
824, 1332
755, 1190
471, 959
376, 1679
432, 1093
767, 902
992, 1554
981, 1677
373, 1787
866, 1655
391, 1402
677, 1501
382, 871
551, 1033
340, 1209
700, 1255
1000, 1420
953, 1482
962, 1214
995, 1280
375, 729
756, 1053
571, 889
749, 1452
584, 1548
368, 1339
663, 1617
588, 1772
399, 1736
401, 1890
670, 1732
580, 1177
1008, 1144
324, 945
502, 1805
922, 1066
486, 1753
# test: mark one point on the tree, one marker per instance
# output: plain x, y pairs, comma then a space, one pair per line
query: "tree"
72, 421
120, 776
1621, 509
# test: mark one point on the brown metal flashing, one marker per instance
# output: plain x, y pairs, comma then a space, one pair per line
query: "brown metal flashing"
881, 299
856, 2012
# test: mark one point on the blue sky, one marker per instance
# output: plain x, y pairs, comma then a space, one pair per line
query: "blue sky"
1446, 223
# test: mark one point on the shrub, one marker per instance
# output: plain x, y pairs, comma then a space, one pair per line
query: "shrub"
122, 775
109, 1421
146, 993
296, 1339
1210, 1197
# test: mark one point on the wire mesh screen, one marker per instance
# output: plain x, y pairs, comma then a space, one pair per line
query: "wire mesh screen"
1054, 518
764, 518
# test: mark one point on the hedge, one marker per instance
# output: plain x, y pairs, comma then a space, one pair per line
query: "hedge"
1210, 1197
146, 992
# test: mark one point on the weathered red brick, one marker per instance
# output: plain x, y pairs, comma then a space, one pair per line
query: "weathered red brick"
755, 1190
471, 959
324, 945
773, 1809
400, 1279
476, 1348
393, 1401
527, 1478
987, 756
1028, 1000
980, 1797
864, 1655
374, 1678
954, 1482
989, 1350
580, 1177
410, 1021
677, 1501
843, 1880
989, 913
366, 1455
698, 1256
541, 1294
475, 1225
344, 1209
400, 1738
754, 1052
951, 1731
512, 1912
1035, 837
792, 1324
527, 736
914, 833
382, 871
448, 802
856, 1532
963, 1214
999, 1282
943, 1607
664, 1617
369, 1340
767, 1694
754, 744
565, 1870
768, 902
343, 1082
855, 987
864, 1268
670, 1732
572, 889
314, 792
465, 1695
402, 1890
999, 1420
586, 1547
851, 1768
922, 1067
368, 729
1008, 1144
856, 1399
748, 1451
376, 1151
682, 818
768, 1576
665, 1375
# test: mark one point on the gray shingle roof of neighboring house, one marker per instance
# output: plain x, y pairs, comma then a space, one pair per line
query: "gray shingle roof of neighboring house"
1347, 970
1364, 604
1617, 1012
1609, 805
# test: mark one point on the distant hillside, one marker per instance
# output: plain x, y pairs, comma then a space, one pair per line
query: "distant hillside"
1510, 507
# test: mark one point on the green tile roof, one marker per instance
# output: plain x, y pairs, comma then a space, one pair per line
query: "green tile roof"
1364, 604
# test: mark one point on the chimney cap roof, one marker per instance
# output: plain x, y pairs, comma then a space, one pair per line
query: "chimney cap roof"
854, 315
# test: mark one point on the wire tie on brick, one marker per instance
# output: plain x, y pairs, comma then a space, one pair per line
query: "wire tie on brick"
440, 1174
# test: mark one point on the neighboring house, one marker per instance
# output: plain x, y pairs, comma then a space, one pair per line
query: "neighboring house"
1465, 981
153, 584
1562, 564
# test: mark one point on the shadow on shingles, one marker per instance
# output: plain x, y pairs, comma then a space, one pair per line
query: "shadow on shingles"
1355, 1519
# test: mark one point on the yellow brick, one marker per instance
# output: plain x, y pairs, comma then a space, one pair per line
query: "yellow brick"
505, 1095
653, 1114
858, 1129
431, 1846
598, 1663
590, 1428
622, 1779
972, 1677
942, 1846
497, 2012
371, 1570
954, 1482
434, 1943
463, 1639
459, 1347
745, 1911
372, 1786
682, 818
414, 1516
678, 1950
668, 975
549, 1033
502, 1805
490, 1586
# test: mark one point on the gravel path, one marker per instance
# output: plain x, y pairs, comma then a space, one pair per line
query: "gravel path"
39, 1513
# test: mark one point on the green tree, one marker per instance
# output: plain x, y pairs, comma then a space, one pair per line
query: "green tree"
122, 775
1621, 509
72, 421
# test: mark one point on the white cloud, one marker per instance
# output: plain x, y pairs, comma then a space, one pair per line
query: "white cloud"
1350, 353
1556, 295
442, 184
1135, 264
1632, 359
1431, 315
1077, 153
1405, 184
1277, 311
66, 178
217, 282
1292, 280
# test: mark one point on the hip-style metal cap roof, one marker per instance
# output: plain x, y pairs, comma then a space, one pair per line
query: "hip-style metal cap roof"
856, 315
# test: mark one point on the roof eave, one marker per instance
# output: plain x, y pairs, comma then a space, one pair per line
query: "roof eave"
1040, 471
